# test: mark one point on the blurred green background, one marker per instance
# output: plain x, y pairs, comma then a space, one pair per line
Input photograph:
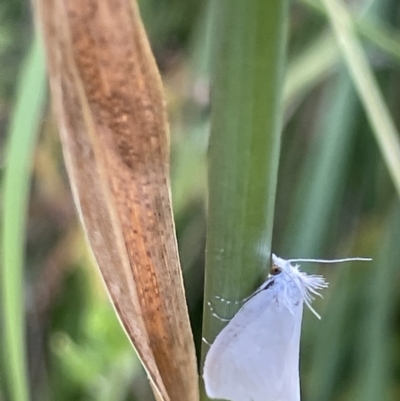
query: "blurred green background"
335, 198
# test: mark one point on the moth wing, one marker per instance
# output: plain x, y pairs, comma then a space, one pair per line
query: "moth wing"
256, 356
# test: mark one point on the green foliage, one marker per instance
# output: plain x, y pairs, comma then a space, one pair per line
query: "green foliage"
334, 196
23, 129
81, 370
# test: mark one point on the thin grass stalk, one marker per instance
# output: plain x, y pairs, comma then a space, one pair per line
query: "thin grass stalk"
375, 361
320, 186
368, 90
331, 339
22, 134
247, 88
376, 31
308, 69
316, 200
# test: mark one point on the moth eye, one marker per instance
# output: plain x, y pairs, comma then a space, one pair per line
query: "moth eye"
275, 270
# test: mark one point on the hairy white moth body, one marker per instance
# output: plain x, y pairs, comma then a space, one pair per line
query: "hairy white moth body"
256, 356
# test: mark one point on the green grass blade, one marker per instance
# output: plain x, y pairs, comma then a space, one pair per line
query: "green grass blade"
308, 69
244, 149
316, 200
24, 126
328, 356
375, 361
386, 39
320, 186
367, 87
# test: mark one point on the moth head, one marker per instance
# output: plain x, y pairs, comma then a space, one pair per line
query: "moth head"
275, 270
279, 265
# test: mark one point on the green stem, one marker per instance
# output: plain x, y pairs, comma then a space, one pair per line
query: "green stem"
22, 135
247, 92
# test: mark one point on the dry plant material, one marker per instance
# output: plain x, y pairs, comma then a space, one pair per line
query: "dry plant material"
107, 94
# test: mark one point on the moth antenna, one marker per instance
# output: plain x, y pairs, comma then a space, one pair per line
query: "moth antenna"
331, 260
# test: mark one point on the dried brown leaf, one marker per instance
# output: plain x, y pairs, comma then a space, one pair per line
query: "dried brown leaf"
107, 95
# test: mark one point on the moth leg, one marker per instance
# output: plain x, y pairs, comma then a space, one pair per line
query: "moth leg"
213, 313
229, 302
205, 341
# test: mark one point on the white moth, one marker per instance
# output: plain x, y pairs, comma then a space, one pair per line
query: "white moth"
256, 356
